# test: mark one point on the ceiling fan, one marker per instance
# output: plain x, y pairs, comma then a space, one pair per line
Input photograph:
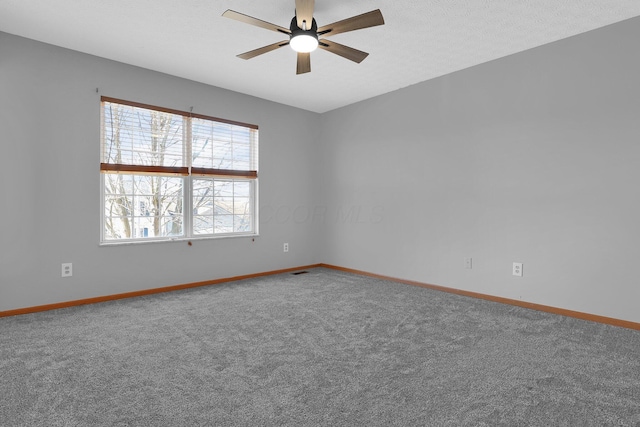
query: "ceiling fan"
304, 34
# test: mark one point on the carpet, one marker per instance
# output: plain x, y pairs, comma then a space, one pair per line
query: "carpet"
323, 348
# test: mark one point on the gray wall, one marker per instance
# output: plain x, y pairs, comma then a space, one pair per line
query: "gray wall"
532, 158
49, 180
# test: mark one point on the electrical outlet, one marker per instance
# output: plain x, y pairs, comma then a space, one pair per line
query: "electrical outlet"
467, 263
517, 269
286, 247
67, 269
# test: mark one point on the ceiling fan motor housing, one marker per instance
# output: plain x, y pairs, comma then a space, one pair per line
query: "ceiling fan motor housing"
303, 33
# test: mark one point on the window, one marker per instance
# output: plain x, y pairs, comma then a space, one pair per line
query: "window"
169, 174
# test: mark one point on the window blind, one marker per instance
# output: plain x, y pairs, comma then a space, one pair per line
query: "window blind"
140, 138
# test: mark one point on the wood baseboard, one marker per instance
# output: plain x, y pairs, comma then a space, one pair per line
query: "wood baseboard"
555, 310
134, 294
533, 306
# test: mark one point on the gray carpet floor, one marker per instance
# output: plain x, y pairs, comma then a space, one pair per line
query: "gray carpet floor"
324, 348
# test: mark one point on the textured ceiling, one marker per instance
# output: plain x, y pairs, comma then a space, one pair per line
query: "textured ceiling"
420, 40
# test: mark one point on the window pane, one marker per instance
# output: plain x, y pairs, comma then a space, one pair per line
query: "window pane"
203, 224
242, 223
202, 196
118, 206
242, 188
223, 188
241, 205
223, 224
222, 155
223, 146
241, 156
202, 205
138, 206
222, 206
138, 136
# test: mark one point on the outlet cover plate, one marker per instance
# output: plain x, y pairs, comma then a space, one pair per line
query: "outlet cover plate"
517, 269
67, 269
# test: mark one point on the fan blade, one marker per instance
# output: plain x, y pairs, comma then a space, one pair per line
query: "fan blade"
261, 50
254, 21
304, 12
366, 20
350, 53
304, 63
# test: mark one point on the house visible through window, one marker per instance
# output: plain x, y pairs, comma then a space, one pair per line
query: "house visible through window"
168, 174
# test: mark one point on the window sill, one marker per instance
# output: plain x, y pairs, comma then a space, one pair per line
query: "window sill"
175, 240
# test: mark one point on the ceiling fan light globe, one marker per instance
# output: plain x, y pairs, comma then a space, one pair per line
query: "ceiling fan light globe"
303, 43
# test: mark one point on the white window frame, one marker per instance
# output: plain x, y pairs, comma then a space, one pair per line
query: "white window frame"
186, 172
